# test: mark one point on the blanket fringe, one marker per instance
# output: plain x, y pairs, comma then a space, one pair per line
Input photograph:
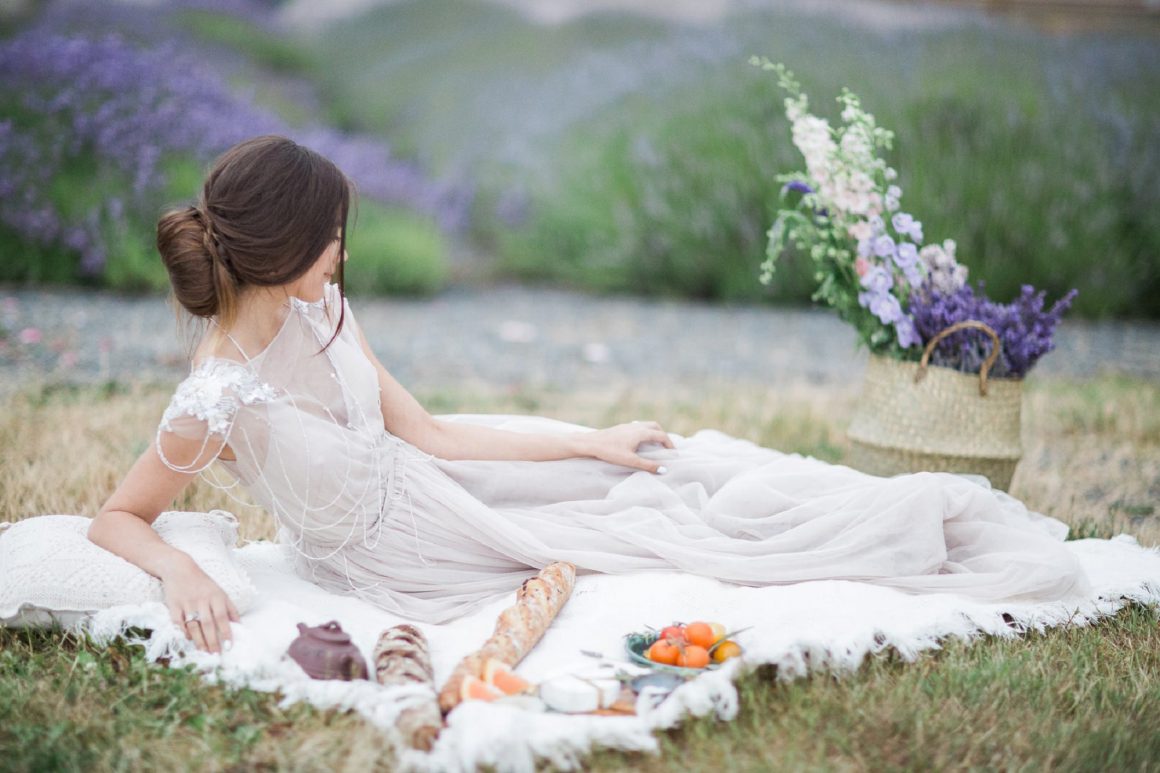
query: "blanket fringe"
482, 734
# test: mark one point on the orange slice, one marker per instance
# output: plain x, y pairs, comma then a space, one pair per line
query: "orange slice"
500, 676
475, 689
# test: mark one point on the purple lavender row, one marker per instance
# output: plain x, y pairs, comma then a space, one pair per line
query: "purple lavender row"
131, 107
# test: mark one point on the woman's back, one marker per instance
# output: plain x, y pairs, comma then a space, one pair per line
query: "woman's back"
303, 421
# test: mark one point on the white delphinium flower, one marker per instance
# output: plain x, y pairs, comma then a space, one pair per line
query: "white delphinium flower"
862, 230
813, 137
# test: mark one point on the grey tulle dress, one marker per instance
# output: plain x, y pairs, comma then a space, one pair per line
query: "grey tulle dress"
364, 512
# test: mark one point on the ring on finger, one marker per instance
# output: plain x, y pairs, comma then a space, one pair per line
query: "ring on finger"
192, 617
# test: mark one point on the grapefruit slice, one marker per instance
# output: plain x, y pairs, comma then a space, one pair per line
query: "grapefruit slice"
500, 676
475, 689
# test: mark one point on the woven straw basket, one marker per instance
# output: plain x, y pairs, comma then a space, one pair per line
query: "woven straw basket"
914, 417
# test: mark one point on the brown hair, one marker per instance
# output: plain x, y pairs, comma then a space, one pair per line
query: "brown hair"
267, 211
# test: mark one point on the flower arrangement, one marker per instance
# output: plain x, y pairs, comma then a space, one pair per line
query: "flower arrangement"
871, 262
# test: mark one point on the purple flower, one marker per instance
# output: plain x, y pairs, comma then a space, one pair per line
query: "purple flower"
906, 225
905, 255
132, 107
1025, 330
877, 280
883, 246
907, 334
906, 258
798, 186
882, 305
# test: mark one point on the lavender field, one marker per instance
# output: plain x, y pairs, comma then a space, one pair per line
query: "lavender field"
111, 112
607, 151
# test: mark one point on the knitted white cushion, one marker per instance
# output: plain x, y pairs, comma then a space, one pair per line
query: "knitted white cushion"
50, 571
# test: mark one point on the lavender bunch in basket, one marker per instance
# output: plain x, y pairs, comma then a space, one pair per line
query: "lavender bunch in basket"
1026, 330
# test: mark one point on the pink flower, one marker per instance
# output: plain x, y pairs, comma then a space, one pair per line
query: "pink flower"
861, 230
30, 336
861, 266
67, 360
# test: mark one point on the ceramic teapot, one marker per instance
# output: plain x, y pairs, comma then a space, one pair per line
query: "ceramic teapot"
326, 652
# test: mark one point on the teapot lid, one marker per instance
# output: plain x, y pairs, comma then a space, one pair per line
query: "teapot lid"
331, 633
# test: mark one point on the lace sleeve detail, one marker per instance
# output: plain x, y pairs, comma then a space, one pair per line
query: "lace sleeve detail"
196, 425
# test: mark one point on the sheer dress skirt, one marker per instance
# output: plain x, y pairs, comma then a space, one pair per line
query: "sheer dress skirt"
458, 533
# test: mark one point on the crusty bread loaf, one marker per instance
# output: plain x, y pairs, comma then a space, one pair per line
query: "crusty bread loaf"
403, 657
518, 628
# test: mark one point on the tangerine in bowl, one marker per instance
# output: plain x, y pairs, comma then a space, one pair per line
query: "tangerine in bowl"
683, 649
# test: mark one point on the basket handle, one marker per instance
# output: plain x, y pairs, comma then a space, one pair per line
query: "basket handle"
967, 323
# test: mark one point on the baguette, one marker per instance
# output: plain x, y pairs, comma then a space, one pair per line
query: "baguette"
402, 657
518, 628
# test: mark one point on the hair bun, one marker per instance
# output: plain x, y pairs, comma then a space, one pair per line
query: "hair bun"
187, 246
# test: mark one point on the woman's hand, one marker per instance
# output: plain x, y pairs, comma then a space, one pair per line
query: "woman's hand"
199, 606
619, 444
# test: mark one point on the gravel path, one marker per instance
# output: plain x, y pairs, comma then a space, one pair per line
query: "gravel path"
514, 337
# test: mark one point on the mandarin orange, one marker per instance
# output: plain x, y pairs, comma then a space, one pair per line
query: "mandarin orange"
725, 650
664, 651
700, 634
693, 656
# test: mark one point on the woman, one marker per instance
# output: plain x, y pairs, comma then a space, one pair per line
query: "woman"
429, 518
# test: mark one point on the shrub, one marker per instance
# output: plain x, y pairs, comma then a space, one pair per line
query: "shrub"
394, 251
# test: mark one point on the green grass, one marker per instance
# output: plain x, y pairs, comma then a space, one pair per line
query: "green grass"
66, 704
1081, 698
1071, 698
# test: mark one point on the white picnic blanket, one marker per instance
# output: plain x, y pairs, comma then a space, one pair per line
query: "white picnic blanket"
813, 625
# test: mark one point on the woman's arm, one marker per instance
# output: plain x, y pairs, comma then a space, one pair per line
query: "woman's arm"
404, 417
124, 527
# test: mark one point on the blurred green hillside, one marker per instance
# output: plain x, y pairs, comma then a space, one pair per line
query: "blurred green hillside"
630, 154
